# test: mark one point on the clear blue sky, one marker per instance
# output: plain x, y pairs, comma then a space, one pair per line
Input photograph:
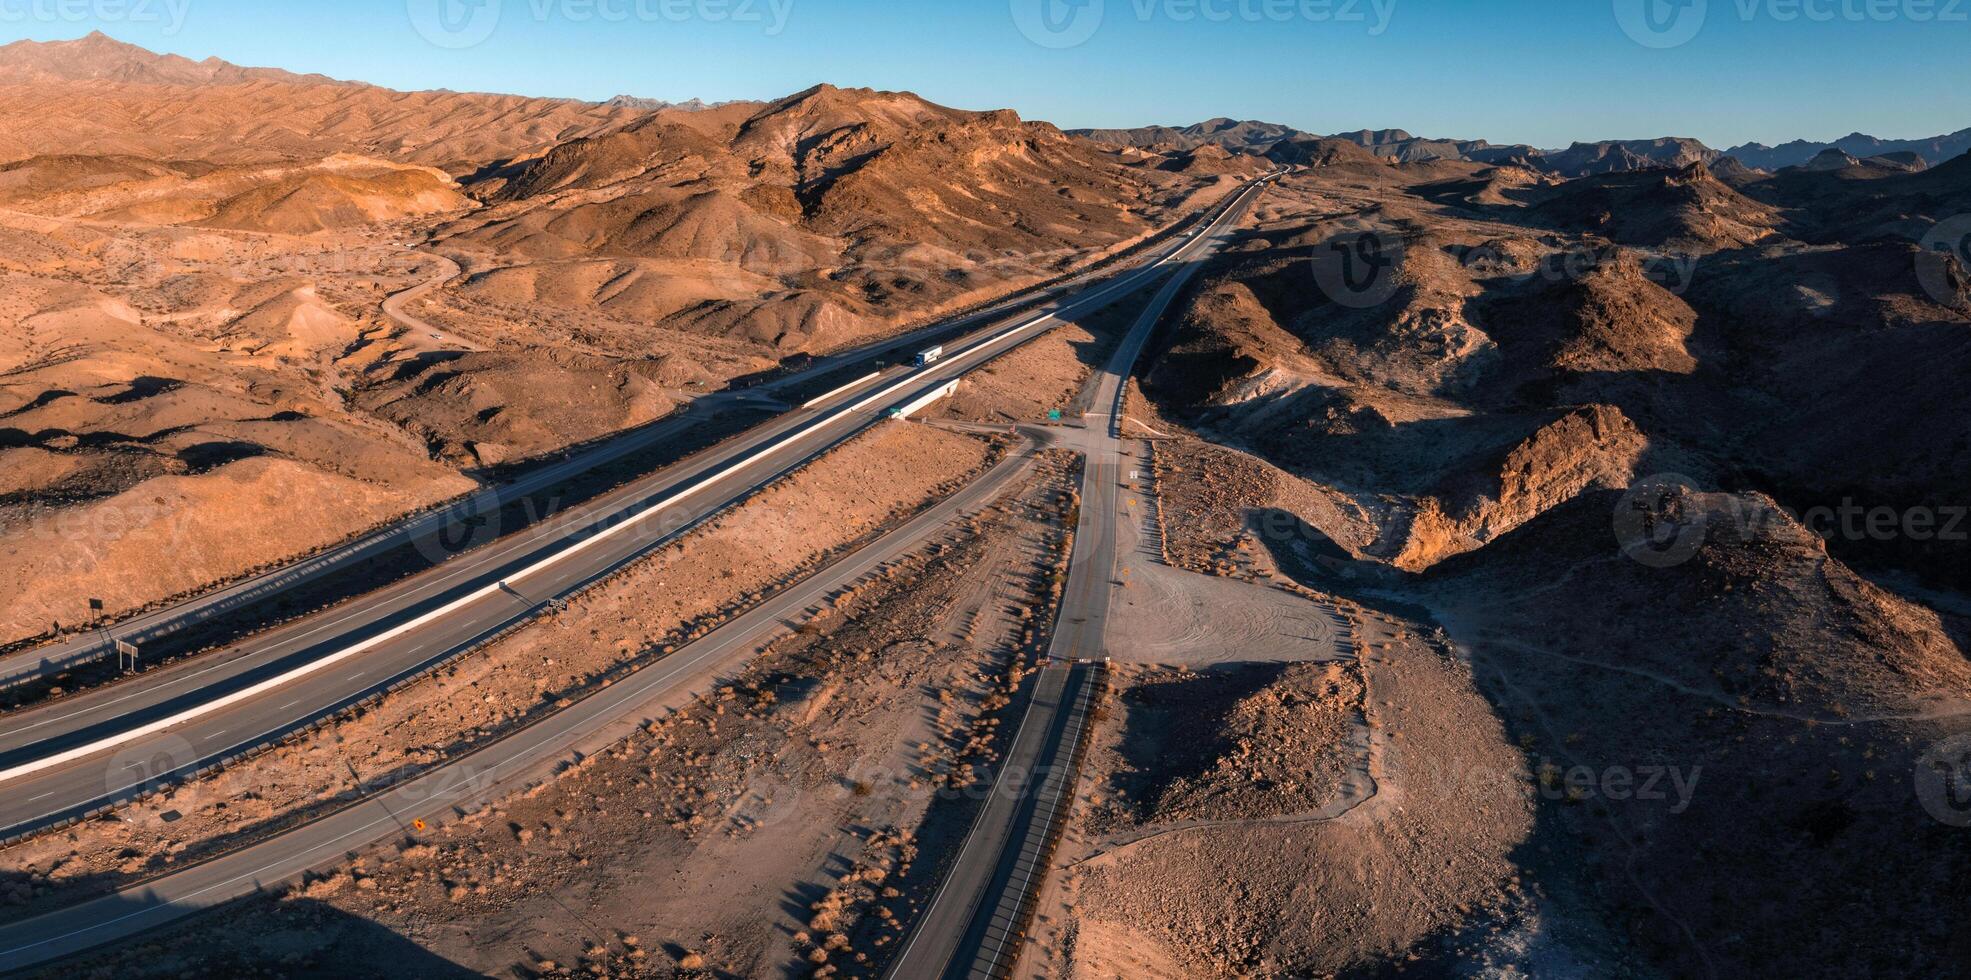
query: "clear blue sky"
1545, 73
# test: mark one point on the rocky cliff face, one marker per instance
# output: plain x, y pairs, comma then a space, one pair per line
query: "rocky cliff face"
1593, 447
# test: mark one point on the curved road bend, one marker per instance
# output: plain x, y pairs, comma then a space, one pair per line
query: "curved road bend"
50, 659
419, 334
970, 931
67, 759
512, 763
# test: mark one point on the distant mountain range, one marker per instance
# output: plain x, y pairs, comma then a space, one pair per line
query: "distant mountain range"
1936, 149
1580, 159
654, 105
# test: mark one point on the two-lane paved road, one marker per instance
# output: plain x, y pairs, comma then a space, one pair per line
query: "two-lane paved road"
970, 931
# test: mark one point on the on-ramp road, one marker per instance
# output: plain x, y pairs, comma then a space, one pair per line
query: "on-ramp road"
971, 929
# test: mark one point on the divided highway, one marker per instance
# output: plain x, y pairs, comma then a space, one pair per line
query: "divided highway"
459, 786
462, 785
50, 659
70, 758
972, 928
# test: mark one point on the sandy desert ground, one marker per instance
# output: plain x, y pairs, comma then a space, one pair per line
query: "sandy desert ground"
1492, 615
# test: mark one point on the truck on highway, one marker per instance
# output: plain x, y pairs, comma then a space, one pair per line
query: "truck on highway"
929, 356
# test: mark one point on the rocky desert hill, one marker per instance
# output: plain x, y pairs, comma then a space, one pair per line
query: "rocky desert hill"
1577, 160
814, 221
340, 192
1868, 198
229, 289
1687, 209
1799, 701
100, 96
1220, 132
1604, 430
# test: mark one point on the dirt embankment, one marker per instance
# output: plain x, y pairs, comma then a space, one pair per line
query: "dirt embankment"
1232, 743
670, 596
483, 409
1210, 496
176, 534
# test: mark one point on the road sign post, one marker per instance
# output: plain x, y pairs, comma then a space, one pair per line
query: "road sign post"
126, 655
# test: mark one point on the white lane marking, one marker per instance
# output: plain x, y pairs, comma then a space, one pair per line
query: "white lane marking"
851, 386
943, 889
